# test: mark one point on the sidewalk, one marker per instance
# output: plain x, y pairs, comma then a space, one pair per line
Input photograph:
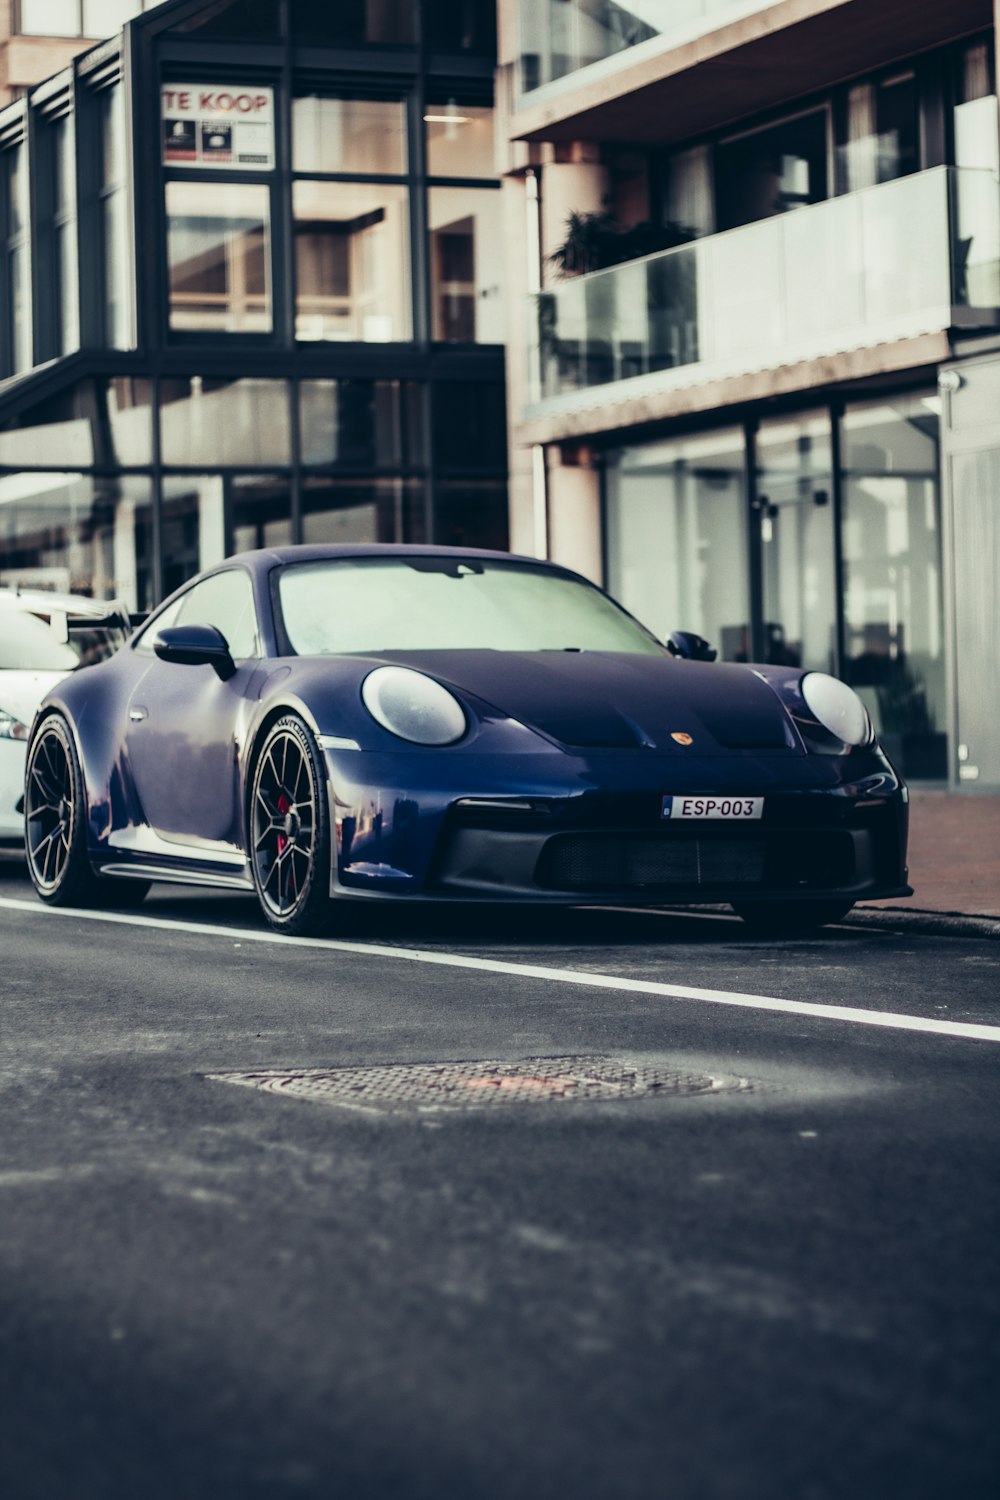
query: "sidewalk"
954, 856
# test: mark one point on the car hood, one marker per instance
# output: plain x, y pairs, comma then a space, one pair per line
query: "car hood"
616, 701
22, 692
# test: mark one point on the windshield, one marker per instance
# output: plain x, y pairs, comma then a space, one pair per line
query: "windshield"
28, 643
370, 605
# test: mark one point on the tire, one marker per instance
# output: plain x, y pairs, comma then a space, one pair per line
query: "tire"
289, 822
55, 827
790, 918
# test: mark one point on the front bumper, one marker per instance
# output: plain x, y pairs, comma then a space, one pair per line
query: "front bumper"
832, 838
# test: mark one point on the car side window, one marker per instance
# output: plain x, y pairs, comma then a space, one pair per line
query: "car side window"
224, 600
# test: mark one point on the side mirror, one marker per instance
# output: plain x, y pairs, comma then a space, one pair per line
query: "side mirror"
195, 646
691, 647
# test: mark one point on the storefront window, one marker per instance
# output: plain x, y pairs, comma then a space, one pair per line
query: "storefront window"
362, 423
677, 537
467, 265
795, 499
470, 431
218, 239
894, 645
77, 534
372, 510
224, 422
352, 258
349, 135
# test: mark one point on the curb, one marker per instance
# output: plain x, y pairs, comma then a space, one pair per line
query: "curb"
932, 923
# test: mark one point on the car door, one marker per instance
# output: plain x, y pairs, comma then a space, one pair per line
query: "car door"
182, 720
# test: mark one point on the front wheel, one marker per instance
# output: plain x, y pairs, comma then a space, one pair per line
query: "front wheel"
790, 918
55, 827
290, 831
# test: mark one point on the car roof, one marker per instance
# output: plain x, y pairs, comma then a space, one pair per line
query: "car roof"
330, 551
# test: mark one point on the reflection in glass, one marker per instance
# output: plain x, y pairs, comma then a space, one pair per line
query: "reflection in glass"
676, 537
232, 18
369, 510
218, 239
193, 526
229, 422
63, 163
470, 425
771, 170
467, 271
471, 513
260, 511
461, 26
17, 291
460, 140
352, 258
349, 135
114, 221
362, 423
76, 534
894, 646
795, 496
97, 422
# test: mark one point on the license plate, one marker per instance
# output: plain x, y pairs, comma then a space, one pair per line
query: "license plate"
744, 808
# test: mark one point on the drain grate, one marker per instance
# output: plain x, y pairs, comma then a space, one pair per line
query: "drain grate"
487, 1085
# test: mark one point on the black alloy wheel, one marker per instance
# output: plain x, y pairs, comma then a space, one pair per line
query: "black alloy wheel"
290, 831
55, 833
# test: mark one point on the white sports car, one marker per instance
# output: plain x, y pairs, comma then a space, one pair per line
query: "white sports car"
43, 637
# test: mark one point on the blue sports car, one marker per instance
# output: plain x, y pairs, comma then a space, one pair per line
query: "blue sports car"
323, 723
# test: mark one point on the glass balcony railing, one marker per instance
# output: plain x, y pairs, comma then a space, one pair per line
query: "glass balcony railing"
890, 262
558, 37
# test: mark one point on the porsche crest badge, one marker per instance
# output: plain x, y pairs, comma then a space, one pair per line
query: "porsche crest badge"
682, 738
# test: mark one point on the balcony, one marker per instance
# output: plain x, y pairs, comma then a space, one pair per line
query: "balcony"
559, 37
893, 262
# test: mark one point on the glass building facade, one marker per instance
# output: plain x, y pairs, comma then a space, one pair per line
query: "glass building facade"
251, 283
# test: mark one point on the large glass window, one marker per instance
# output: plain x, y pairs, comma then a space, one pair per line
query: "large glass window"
460, 140
16, 291
677, 537
89, 18
100, 423
471, 513
114, 222
373, 510
352, 258
349, 135
224, 422
78, 534
461, 25
355, 22
894, 646
795, 499
467, 265
362, 423
218, 239
193, 527
260, 512
881, 131
772, 170
63, 164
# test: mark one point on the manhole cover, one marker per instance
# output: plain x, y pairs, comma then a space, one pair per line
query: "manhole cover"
487, 1085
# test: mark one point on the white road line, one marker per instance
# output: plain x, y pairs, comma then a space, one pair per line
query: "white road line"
889, 1020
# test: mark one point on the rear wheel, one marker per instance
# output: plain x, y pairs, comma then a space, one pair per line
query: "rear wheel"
789, 918
55, 827
290, 831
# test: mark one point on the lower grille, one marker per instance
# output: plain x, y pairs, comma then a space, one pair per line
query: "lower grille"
589, 862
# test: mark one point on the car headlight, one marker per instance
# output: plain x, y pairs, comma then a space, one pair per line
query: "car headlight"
837, 707
11, 728
412, 706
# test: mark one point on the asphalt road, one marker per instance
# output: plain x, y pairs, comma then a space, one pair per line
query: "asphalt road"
771, 1274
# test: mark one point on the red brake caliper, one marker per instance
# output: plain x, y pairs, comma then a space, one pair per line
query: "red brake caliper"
284, 807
